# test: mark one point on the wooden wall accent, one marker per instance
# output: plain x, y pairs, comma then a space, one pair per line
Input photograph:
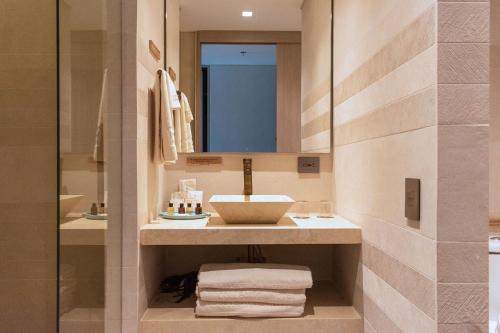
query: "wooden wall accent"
252, 37
288, 74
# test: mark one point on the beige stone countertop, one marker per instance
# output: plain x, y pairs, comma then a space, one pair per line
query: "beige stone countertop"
82, 231
213, 231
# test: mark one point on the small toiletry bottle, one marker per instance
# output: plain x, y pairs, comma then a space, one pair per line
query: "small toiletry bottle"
102, 209
198, 209
189, 209
93, 209
182, 210
170, 209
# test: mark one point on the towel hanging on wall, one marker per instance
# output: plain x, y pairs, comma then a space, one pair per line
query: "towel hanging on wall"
185, 126
165, 150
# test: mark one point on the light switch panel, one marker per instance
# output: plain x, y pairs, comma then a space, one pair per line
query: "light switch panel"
412, 199
308, 164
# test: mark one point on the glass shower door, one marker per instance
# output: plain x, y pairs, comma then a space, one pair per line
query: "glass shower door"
89, 79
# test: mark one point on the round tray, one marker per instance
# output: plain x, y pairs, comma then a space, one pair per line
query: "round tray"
177, 216
95, 217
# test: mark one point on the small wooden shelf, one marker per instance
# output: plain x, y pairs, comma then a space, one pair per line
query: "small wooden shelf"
326, 312
214, 231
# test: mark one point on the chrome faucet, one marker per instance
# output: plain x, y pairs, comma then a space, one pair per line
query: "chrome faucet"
247, 176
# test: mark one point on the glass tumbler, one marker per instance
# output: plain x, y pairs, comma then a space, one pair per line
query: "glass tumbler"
325, 209
301, 210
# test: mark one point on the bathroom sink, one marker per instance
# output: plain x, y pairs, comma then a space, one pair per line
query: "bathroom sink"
251, 209
67, 202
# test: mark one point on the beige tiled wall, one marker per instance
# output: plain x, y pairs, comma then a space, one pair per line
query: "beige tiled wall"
385, 111
316, 76
28, 157
272, 174
141, 267
462, 205
411, 102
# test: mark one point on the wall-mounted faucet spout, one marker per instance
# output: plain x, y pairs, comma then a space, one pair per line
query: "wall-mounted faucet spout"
247, 176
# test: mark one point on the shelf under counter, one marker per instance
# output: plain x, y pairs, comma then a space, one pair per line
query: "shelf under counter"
213, 231
326, 311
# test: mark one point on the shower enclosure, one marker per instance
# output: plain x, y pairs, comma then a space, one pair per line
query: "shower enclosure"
89, 147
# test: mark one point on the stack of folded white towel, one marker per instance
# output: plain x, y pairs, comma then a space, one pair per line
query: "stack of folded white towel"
252, 290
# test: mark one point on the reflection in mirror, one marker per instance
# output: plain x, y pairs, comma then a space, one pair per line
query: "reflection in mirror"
239, 81
259, 81
89, 153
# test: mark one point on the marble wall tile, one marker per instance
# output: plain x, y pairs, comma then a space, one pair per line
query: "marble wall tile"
461, 104
462, 205
399, 309
29, 26
377, 320
462, 262
463, 328
370, 28
462, 303
463, 63
391, 88
408, 113
378, 191
419, 289
368, 328
408, 43
33, 299
463, 22
464, 0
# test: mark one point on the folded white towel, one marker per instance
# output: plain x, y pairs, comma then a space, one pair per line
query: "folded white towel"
282, 297
254, 276
249, 310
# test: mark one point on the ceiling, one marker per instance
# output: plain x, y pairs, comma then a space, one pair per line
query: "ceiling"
271, 15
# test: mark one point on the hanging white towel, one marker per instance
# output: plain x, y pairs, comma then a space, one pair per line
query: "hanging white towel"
254, 276
165, 150
248, 310
98, 154
186, 119
175, 105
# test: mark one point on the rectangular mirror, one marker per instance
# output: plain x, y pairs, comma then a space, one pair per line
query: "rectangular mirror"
256, 75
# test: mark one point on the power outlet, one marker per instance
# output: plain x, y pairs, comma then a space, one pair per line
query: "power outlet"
308, 164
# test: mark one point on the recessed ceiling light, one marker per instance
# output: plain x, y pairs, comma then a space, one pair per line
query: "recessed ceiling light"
247, 14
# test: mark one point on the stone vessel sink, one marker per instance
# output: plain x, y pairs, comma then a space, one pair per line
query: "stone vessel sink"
251, 209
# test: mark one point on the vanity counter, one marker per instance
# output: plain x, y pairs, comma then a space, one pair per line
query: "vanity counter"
213, 231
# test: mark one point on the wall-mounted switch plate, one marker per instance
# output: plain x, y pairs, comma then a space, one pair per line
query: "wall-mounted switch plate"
412, 199
308, 164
